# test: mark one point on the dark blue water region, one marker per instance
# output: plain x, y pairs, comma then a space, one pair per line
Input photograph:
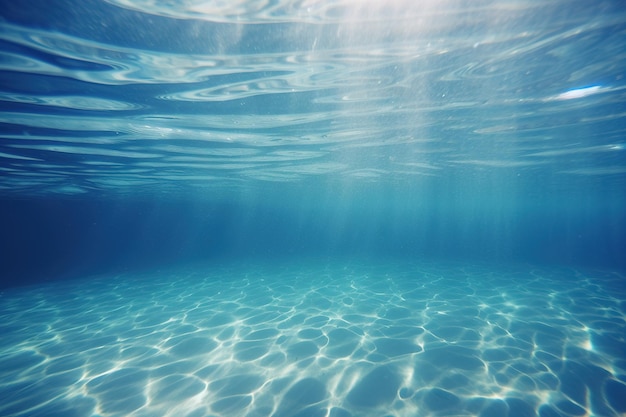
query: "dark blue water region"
340, 340
48, 238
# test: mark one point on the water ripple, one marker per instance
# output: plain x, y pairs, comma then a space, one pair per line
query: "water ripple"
303, 11
72, 102
285, 91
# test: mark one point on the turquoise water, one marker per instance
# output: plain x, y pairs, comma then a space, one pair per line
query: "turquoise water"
360, 339
339, 208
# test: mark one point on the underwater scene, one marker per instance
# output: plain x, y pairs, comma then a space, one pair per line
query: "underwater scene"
339, 208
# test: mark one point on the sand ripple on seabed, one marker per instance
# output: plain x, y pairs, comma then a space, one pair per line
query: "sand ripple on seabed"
301, 341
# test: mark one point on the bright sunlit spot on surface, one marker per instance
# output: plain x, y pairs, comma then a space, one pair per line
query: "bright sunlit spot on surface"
579, 93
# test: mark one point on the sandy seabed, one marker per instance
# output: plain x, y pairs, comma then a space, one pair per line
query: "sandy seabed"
337, 340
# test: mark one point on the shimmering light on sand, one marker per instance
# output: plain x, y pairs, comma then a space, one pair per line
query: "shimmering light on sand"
341, 341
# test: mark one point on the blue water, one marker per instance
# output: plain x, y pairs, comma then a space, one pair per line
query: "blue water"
341, 208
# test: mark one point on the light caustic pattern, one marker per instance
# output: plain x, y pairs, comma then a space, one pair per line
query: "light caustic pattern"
318, 341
